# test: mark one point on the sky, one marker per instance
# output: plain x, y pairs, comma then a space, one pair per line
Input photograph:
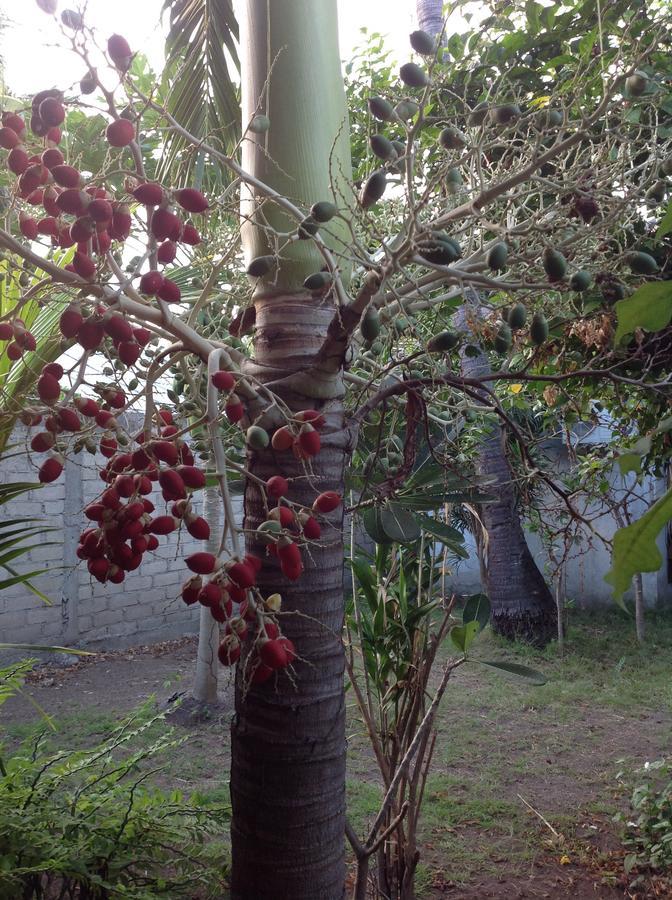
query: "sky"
34, 60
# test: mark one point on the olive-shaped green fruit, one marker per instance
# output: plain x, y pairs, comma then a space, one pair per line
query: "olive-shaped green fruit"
400, 324
423, 43
373, 189
413, 75
453, 180
641, 263
581, 280
259, 124
370, 325
497, 256
406, 109
261, 265
377, 347
517, 317
257, 438
381, 109
268, 531
381, 146
442, 342
478, 114
323, 211
502, 115
503, 339
439, 248
539, 329
637, 83
308, 228
666, 166
318, 281
657, 191
452, 138
399, 148
555, 264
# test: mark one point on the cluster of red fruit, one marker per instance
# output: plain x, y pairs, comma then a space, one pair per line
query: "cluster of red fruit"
91, 330
19, 337
301, 436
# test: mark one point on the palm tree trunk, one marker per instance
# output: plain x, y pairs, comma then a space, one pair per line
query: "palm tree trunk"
288, 734
430, 15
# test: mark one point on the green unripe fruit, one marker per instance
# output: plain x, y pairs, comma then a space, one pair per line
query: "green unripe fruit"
373, 189
478, 114
308, 228
370, 324
439, 249
399, 148
641, 263
517, 317
442, 342
318, 281
580, 281
636, 83
423, 43
257, 438
503, 339
452, 138
381, 146
268, 531
400, 324
413, 75
259, 124
377, 347
381, 109
497, 256
261, 265
406, 109
323, 211
555, 264
539, 329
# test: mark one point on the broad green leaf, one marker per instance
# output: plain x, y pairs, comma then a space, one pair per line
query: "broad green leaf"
399, 524
629, 462
373, 525
634, 547
462, 636
665, 226
366, 581
477, 609
445, 533
515, 669
650, 307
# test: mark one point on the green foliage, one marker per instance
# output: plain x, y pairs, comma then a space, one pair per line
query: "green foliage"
14, 532
650, 307
83, 822
648, 825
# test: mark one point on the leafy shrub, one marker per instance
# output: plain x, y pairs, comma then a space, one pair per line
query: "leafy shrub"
85, 824
648, 826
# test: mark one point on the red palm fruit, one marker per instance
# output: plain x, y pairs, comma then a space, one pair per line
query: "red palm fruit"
315, 418
82, 229
98, 569
13, 121
165, 225
191, 589
53, 368
192, 476
165, 451
86, 406
50, 470
114, 397
234, 409
150, 194
253, 562
90, 333
49, 201
134, 510
260, 673
139, 544
162, 525
65, 241
51, 424
210, 593
290, 649
100, 210
42, 441
51, 157
190, 235
284, 515
180, 508
48, 388
327, 501
151, 282
142, 335
199, 529
140, 460
120, 228
18, 161
128, 352
172, 482
52, 112
70, 322
167, 252
101, 242
108, 446
290, 559
166, 416
125, 486
54, 135
110, 498
36, 197
222, 380
115, 575
66, 176
277, 486
282, 439
242, 574
31, 179
48, 226
73, 201
202, 563
169, 291
311, 529
147, 505
8, 138
26, 340
119, 52
28, 226
84, 266
191, 200
121, 462
118, 328
13, 351
273, 654
6, 331
169, 431
229, 650
143, 485
120, 133
69, 420
309, 440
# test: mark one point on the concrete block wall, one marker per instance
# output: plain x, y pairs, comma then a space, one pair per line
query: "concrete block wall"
146, 607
